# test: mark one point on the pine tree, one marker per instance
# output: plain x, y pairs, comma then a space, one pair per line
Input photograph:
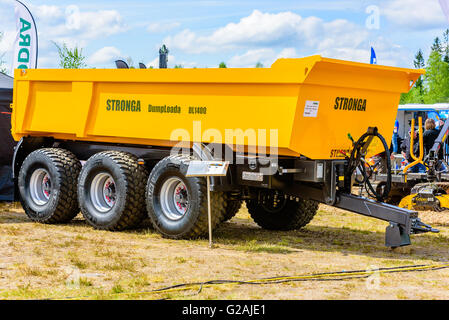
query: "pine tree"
433, 87
436, 78
436, 46
446, 46
416, 94
419, 63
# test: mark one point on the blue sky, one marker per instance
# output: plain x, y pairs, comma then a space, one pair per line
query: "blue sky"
203, 33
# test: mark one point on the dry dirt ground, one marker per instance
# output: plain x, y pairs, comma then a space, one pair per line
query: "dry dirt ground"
75, 261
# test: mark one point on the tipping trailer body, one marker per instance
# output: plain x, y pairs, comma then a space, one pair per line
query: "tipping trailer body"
121, 124
313, 102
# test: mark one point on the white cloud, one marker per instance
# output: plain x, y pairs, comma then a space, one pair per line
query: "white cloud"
75, 28
262, 35
414, 14
251, 57
256, 29
104, 56
7, 41
86, 25
266, 56
46, 12
184, 40
50, 60
262, 30
287, 53
265, 37
162, 27
154, 63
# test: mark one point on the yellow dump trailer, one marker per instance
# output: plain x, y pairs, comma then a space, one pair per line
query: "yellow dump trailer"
313, 103
288, 132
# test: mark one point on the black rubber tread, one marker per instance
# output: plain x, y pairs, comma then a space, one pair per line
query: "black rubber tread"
66, 169
232, 207
200, 226
294, 215
133, 210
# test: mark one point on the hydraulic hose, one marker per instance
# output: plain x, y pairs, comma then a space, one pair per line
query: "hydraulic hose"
329, 276
357, 160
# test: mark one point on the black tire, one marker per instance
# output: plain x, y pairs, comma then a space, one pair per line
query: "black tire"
232, 207
126, 206
169, 222
56, 202
288, 215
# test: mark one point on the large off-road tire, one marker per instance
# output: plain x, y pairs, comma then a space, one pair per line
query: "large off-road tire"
177, 205
232, 207
286, 215
111, 191
47, 185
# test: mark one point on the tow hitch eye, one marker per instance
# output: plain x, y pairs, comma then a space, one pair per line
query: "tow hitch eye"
420, 227
397, 236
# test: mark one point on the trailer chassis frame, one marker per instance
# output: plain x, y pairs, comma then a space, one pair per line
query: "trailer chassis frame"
319, 180
329, 190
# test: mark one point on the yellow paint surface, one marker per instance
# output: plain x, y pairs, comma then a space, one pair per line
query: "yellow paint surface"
213, 105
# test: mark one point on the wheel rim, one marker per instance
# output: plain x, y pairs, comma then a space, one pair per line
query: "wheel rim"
40, 187
174, 198
103, 192
274, 203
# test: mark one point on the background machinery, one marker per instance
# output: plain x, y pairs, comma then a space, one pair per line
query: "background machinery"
420, 191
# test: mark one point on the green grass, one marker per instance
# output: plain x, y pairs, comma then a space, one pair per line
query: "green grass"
256, 246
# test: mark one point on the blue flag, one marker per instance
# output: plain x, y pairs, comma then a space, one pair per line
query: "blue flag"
373, 59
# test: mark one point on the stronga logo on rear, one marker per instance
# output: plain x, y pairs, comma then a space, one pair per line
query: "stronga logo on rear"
350, 104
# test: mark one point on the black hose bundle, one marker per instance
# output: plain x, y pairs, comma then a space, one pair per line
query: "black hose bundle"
357, 160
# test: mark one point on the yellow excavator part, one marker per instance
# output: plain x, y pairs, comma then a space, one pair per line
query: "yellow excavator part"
406, 202
418, 159
309, 104
444, 201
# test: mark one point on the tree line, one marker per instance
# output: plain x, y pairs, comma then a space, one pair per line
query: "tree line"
433, 87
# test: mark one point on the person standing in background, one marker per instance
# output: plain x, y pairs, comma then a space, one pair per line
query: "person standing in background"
430, 135
395, 137
440, 124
